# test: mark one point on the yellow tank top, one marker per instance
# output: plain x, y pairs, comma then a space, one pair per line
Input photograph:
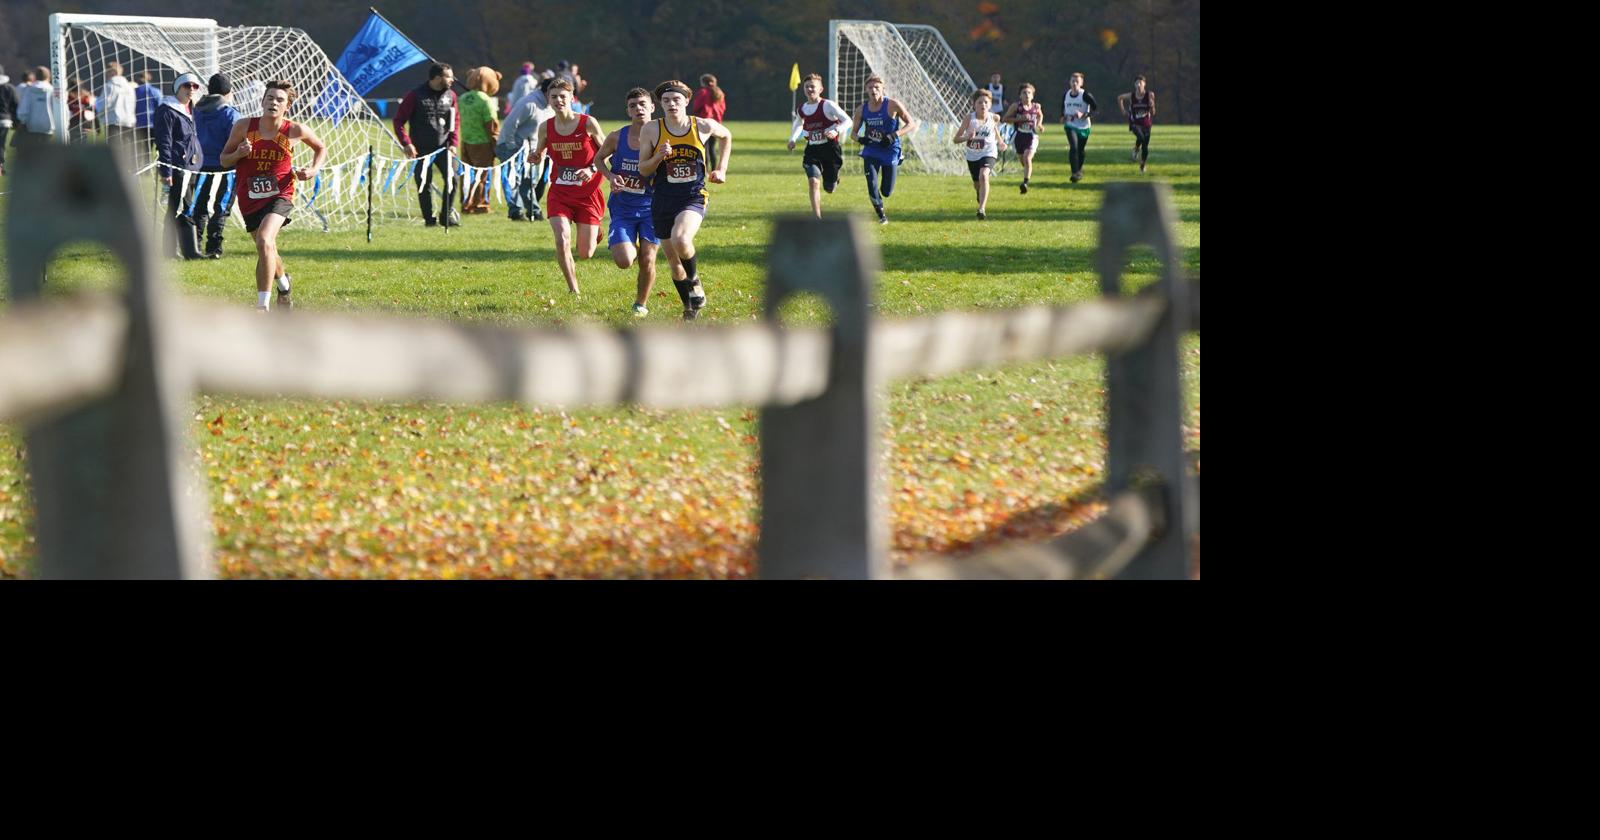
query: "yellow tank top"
683, 173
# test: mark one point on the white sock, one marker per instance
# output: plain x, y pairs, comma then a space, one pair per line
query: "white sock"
261, 299
283, 283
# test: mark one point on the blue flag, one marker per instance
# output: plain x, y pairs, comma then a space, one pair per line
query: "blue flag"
377, 52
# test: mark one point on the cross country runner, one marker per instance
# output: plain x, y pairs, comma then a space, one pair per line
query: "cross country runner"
883, 122
259, 149
1077, 106
677, 150
1140, 109
571, 139
1028, 117
630, 198
981, 133
822, 123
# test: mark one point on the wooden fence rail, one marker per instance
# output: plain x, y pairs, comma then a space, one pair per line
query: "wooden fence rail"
101, 385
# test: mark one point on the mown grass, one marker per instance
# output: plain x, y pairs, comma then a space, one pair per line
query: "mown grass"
344, 489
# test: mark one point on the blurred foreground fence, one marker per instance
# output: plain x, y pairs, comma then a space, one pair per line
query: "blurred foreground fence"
102, 384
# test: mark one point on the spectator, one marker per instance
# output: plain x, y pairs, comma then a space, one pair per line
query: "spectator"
997, 93
521, 127
478, 131
146, 100
81, 110
214, 117
525, 84
118, 99
35, 109
179, 148
710, 104
8, 114
425, 123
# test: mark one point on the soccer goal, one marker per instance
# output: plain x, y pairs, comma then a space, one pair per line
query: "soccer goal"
81, 46
919, 70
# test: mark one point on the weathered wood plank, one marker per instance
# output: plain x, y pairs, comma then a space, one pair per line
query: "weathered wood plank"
1144, 385
58, 355
114, 496
821, 513
1097, 551
338, 356
939, 345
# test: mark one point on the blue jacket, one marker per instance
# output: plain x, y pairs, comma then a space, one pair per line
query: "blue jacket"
147, 100
176, 140
213, 120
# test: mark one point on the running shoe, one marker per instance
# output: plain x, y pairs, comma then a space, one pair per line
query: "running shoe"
1076, 177
640, 311
285, 299
982, 217
1135, 156
1024, 187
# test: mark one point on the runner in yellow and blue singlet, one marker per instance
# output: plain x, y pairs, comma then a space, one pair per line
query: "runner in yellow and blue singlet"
676, 159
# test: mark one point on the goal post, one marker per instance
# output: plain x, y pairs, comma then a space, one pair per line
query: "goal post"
920, 71
82, 45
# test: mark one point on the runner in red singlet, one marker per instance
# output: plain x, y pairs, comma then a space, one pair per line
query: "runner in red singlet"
260, 149
571, 140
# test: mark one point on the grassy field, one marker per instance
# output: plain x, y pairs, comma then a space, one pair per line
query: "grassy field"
381, 490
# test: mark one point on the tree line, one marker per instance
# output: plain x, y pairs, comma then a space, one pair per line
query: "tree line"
748, 44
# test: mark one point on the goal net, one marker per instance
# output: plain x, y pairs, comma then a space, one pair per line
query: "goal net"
920, 71
250, 56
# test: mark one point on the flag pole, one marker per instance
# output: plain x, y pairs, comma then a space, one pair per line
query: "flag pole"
369, 192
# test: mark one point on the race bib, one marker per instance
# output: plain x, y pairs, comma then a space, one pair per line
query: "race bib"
682, 172
263, 186
630, 184
568, 176
875, 135
977, 145
816, 136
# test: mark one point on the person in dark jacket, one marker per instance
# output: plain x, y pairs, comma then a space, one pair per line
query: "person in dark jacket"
8, 114
427, 121
178, 146
214, 117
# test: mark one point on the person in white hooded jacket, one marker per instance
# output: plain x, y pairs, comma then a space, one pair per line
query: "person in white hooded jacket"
116, 107
35, 110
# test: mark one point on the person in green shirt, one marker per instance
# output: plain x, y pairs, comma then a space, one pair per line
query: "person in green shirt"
479, 128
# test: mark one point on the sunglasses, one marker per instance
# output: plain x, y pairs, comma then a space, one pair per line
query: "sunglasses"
192, 84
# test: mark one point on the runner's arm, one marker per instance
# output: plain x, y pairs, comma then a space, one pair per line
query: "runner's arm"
649, 137
1152, 95
841, 120
607, 149
231, 153
1122, 102
719, 173
798, 131
1088, 99
319, 151
1010, 115
908, 123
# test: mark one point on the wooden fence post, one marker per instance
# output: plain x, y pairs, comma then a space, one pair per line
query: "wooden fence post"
1144, 385
821, 512
111, 479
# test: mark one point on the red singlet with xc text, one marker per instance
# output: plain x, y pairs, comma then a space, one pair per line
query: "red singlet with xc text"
267, 173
